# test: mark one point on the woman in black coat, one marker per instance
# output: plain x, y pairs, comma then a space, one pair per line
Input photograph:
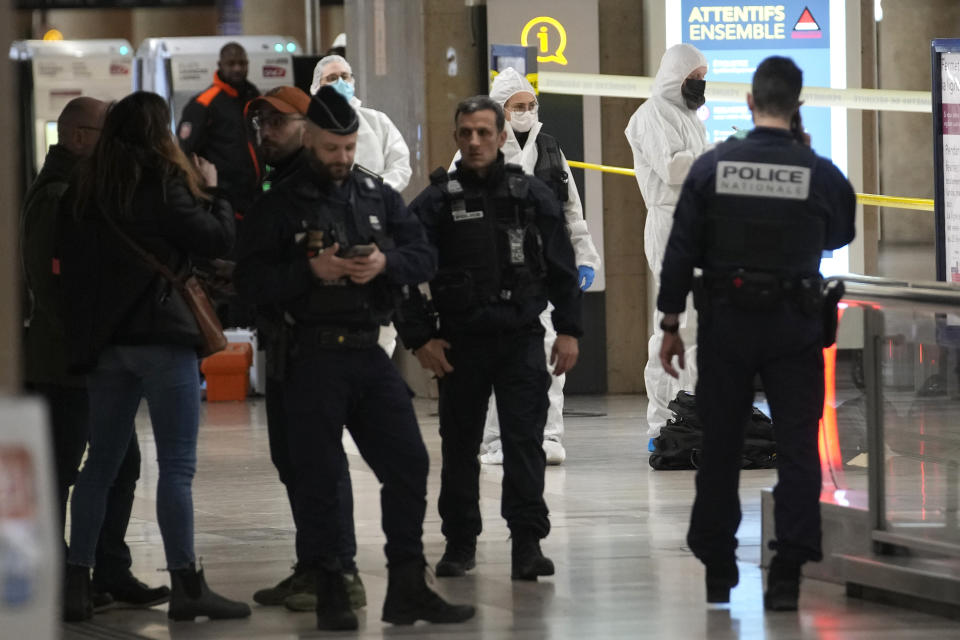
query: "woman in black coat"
134, 335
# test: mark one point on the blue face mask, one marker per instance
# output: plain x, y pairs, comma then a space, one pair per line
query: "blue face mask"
344, 88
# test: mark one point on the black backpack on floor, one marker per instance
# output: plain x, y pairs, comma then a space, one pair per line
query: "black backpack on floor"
680, 441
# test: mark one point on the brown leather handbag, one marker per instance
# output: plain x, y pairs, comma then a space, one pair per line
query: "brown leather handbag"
211, 331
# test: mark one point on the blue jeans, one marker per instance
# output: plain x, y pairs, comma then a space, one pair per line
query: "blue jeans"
168, 378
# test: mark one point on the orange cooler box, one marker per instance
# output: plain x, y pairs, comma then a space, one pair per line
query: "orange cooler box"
228, 372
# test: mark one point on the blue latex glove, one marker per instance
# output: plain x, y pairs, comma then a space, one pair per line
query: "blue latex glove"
585, 276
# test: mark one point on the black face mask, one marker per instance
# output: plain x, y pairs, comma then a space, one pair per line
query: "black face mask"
692, 92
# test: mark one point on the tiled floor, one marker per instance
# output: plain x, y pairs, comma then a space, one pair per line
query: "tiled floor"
623, 570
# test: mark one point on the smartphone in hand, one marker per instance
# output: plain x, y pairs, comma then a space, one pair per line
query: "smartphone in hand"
359, 250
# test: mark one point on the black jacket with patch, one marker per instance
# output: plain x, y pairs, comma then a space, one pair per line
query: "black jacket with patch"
213, 127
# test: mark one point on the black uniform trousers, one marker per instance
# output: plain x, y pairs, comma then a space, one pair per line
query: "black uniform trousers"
785, 347
280, 456
327, 388
512, 364
70, 429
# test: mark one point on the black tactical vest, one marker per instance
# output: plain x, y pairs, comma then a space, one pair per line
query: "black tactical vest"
549, 166
763, 217
490, 249
362, 221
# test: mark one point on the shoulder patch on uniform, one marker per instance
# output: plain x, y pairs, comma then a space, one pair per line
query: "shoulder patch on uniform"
763, 180
185, 129
367, 172
439, 176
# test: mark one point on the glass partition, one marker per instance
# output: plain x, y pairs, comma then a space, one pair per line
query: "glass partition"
890, 436
921, 423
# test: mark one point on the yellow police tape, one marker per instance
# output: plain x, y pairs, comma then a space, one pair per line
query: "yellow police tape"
614, 86
919, 204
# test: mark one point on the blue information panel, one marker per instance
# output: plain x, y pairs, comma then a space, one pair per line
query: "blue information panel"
736, 37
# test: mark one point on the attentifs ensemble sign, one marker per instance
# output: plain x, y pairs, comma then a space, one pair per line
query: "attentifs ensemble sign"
736, 36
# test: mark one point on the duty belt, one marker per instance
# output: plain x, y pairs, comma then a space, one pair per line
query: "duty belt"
337, 337
758, 291
734, 280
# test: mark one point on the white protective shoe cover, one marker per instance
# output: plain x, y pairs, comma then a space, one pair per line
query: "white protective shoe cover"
554, 451
493, 455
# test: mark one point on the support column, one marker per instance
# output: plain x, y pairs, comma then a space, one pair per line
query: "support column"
906, 139
871, 136
624, 213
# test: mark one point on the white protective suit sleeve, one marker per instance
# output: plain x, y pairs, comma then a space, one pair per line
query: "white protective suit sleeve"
664, 149
383, 150
583, 248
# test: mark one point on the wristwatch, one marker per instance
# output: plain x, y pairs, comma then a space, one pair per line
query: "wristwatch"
669, 328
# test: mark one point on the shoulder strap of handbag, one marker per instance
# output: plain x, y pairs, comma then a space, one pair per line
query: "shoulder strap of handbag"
145, 255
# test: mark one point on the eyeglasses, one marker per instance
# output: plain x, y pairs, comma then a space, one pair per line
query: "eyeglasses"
274, 120
330, 78
520, 107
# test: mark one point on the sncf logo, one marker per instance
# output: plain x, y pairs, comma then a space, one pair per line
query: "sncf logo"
119, 69
273, 71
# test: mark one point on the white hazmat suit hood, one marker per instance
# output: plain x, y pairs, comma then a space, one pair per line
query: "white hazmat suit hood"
666, 137
507, 84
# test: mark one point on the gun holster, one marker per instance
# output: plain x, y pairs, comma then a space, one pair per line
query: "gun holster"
278, 350
833, 291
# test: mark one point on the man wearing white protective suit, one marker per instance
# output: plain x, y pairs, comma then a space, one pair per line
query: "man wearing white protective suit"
666, 136
380, 147
540, 155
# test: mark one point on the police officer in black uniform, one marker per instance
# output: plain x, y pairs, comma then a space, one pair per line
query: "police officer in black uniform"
331, 247
278, 120
503, 252
756, 215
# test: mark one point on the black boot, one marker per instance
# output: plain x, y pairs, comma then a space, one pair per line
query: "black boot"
459, 557
300, 582
333, 602
77, 606
190, 598
783, 585
127, 591
410, 599
721, 577
528, 561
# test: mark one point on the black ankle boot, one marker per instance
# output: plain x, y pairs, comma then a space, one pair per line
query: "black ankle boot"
77, 606
333, 602
410, 599
126, 591
527, 560
190, 598
459, 557
721, 577
783, 585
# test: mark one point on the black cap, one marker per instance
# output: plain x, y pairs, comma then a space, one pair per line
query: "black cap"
330, 111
